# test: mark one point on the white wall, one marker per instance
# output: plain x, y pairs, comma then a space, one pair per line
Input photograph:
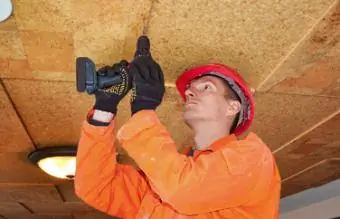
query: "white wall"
318, 203
322, 210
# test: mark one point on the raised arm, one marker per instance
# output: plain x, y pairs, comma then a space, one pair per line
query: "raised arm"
101, 182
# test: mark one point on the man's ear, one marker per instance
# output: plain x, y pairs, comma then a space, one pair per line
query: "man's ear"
234, 107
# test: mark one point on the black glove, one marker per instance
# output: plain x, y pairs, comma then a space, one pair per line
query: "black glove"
147, 84
107, 99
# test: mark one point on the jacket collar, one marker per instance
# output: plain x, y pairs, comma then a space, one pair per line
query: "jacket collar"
216, 145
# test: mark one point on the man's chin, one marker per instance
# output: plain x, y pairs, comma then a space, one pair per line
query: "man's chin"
190, 117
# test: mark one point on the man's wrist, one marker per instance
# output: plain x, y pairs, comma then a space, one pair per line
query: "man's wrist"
102, 116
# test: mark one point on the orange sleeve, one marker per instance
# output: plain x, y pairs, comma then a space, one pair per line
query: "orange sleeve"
227, 178
101, 182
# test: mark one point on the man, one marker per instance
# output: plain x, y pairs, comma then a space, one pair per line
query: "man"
224, 178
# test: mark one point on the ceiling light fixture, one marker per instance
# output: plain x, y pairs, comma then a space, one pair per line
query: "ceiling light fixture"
59, 161
5, 9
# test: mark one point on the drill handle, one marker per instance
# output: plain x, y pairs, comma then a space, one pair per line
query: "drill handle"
108, 81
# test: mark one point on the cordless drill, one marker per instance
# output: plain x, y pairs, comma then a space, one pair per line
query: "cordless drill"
90, 80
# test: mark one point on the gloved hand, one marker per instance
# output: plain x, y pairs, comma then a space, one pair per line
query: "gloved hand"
107, 99
147, 85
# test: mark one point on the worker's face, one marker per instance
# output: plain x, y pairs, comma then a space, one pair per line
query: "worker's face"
207, 100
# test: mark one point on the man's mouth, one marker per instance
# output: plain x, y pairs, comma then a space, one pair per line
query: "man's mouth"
190, 103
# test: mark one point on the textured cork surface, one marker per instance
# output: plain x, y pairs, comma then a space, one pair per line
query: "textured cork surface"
15, 168
313, 68
281, 117
15, 67
325, 172
12, 133
11, 45
94, 215
107, 30
320, 144
53, 16
11, 209
66, 191
28, 193
41, 216
251, 36
49, 51
53, 111
58, 207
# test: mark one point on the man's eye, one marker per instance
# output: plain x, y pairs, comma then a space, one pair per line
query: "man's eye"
207, 87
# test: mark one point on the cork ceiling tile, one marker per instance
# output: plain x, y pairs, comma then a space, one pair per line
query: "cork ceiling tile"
313, 68
15, 68
93, 215
325, 171
15, 168
11, 209
9, 24
281, 117
27, 193
107, 30
321, 143
12, 133
52, 111
42, 216
67, 191
54, 16
10, 45
170, 114
49, 51
251, 36
60, 207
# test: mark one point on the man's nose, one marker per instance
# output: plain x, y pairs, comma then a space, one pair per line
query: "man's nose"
189, 93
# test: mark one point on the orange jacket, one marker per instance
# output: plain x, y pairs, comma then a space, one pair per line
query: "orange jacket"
232, 179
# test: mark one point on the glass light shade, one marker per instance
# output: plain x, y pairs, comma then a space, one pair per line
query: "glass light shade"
5, 9
60, 167
59, 161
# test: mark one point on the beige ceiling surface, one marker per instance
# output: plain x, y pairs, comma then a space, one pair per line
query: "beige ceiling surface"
11, 128
288, 50
313, 68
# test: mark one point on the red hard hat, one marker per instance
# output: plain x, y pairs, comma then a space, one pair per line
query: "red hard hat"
236, 83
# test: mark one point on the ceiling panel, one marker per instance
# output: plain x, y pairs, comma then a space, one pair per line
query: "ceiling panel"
93, 215
313, 68
18, 67
251, 36
54, 16
42, 216
12, 209
53, 112
67, 192
281, 117
15, 168
9, 23
321, 143
12, 133
13, 60
320, 174
10, 45
49, 51
58, 208
61, 108
59, 30
107, 30
27, 193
